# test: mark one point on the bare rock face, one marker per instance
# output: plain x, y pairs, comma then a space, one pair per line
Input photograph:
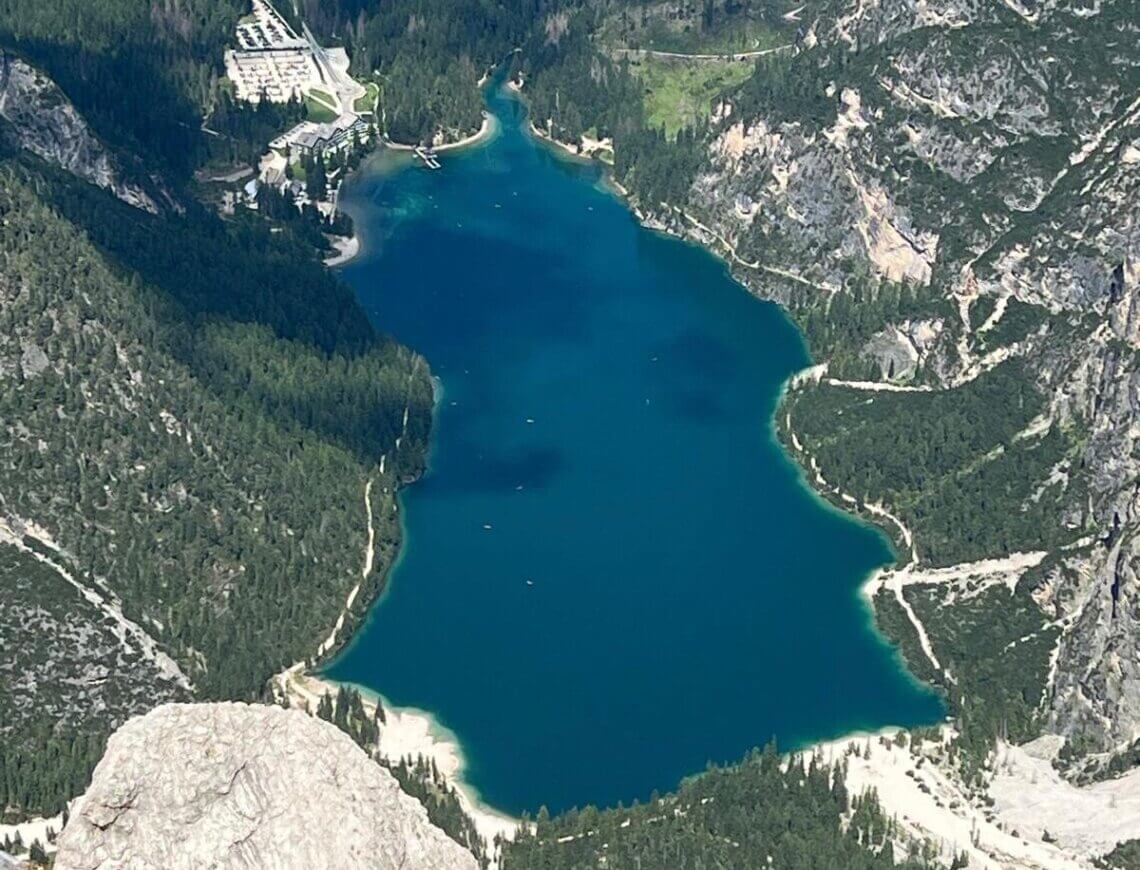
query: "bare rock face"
45, 122
237, 785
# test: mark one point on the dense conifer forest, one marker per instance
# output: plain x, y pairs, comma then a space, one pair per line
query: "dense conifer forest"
218, 491
144, 74
226, 401
763, 812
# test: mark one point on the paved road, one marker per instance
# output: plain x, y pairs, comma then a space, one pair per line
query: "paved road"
738, 55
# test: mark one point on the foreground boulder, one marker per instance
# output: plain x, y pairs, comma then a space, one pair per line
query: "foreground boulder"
238, 785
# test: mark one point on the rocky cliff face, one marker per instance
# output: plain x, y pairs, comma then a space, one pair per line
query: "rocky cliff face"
236, 785
42, 120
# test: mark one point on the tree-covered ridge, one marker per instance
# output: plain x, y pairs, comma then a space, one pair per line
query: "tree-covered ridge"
148, 75
200, 479
587, 71
572, 87
417, 776
49, 749
763, 812
422, 780
1125, 856
268, 281
961, 467
997, 644
429, 57
275, 331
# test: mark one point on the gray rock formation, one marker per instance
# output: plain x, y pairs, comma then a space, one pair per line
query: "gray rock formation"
42, 120
237, 785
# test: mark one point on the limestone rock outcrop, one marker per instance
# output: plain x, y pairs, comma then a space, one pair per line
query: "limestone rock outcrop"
42, 120
238, 785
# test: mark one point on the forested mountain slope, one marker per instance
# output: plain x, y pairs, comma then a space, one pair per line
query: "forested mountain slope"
430, 57
194, 412
142, 73
760, 812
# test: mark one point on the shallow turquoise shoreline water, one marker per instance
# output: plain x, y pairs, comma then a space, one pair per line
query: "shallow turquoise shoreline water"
612, 573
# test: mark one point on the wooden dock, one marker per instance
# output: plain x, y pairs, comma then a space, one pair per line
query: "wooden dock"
427, 155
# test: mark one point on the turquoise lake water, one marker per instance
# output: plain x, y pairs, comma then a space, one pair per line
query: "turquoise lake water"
657, 587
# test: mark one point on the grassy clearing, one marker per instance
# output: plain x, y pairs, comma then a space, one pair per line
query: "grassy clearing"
680, 93
319, 106
736, 37
366, 105
653, 28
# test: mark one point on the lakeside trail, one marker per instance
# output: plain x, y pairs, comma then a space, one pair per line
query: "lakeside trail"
589, 149
922, 791
405, 734
1027, 815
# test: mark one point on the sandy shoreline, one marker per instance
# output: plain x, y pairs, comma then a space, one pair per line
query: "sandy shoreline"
591, 149
410, 733
346, 249
486, 130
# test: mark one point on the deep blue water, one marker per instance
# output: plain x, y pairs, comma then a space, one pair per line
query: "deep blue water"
690, 598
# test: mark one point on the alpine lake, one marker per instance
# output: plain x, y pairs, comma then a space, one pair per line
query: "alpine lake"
612, 573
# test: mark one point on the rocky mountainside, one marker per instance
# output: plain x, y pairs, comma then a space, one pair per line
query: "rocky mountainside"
947, 198
234, 785
41, 119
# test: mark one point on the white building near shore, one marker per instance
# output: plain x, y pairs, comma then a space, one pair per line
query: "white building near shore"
309, 137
